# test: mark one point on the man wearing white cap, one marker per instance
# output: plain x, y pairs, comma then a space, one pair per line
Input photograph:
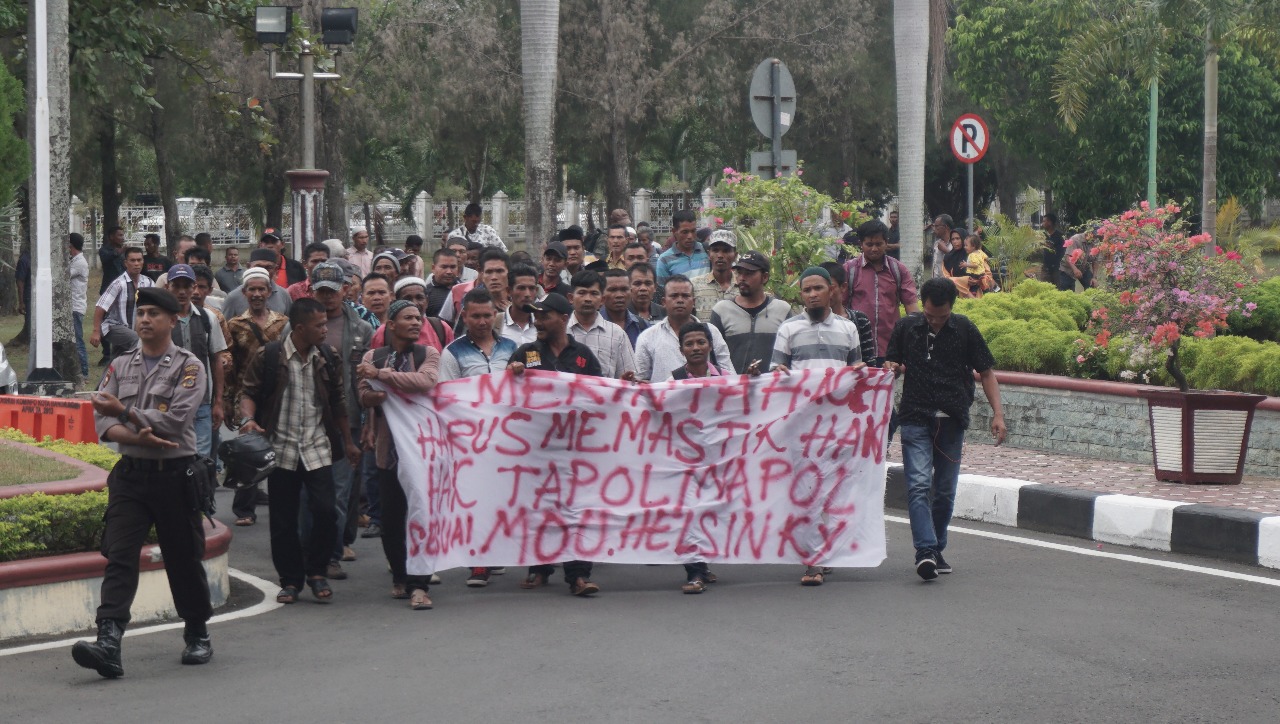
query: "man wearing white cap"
710, 288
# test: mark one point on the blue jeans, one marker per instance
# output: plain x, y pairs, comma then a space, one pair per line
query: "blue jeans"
931, 463
77, 321
204, 430
369, 478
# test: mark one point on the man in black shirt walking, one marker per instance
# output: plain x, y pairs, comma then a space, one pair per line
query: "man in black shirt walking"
939, 352
556, 351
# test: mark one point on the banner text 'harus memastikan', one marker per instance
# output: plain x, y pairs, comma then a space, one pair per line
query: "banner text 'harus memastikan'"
505, 470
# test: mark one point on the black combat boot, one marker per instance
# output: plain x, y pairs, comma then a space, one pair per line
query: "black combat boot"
103, 655
198, 650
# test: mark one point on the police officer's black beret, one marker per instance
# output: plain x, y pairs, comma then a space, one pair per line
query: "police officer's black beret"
157, 297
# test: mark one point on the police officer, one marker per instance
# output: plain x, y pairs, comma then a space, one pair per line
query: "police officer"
147, 405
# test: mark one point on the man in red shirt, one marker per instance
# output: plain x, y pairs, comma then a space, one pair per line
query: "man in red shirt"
878, 283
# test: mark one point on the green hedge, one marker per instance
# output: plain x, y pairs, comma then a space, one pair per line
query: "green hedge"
44, 525
1036, 328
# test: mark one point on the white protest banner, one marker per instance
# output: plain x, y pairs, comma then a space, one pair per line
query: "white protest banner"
505, 470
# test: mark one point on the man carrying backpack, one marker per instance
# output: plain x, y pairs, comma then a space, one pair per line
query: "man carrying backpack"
878, 283
293, 393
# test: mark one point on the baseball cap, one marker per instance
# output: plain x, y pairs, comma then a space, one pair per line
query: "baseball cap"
328, 275
551, 303
752, 260
558, 249
269, 234
723, 236
182, 271
263, 255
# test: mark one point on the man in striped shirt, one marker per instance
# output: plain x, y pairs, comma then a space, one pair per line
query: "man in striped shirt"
817, 339
113, 316
606, 340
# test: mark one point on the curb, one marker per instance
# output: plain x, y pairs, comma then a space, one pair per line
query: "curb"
1229, 534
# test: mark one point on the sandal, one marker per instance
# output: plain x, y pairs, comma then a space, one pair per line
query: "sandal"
246, 521
288, 594
420, 601
399, 592
533, 580
813, 576
694, 586
709, 577
320, 589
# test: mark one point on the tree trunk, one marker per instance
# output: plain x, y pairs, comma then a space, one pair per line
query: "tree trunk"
617, 180
275, 188
330, 120
1209, 198
164, 172
110, 178
911, 61
66, 360
539, 52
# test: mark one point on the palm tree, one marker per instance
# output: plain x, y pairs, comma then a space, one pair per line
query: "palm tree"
1137, 35
911, 61
539, 51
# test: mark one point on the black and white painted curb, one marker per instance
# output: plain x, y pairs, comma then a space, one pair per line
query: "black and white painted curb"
1228, 534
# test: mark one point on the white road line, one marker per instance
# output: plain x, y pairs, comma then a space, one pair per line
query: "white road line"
1104, 554
268, 603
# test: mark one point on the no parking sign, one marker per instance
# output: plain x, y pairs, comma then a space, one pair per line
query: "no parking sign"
970, 138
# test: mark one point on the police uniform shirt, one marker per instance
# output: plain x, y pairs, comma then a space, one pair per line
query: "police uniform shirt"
575, 358
164, 398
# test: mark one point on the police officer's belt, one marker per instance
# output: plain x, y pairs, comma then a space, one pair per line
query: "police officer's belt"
158, 466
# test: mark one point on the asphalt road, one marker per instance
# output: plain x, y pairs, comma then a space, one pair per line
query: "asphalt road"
1017, 633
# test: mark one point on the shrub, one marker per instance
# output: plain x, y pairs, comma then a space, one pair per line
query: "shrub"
1030, 301
39, 524
1029, 346
92, 453
1264, 324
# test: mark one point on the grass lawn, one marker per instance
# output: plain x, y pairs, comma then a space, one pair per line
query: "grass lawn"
22, 467
11, 325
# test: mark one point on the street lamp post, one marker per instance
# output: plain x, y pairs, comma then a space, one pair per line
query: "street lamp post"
338, 27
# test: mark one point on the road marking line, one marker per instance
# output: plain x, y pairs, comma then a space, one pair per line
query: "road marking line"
1104, 554
268, 603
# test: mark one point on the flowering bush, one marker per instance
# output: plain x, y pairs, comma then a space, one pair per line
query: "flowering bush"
1167, 284
782, 218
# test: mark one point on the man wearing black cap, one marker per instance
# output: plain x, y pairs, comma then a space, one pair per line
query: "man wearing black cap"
278, 301
553, 263
555, 351
290, 271
750, 321
146, 404
575, 251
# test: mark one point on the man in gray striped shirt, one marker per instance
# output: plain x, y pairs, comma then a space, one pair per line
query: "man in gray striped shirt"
817, 339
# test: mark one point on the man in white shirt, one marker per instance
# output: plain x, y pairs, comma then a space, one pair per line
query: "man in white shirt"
359, 253
79, 270
658, 347
473, 230
516, 323
606, 340
113, 315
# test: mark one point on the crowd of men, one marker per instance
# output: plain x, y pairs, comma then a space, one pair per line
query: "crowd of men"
292, 349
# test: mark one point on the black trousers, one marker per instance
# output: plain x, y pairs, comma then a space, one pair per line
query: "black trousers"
573, 570
285, 487
136, 500
395, 511
245, 502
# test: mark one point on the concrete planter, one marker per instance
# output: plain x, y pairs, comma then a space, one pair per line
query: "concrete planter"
1199, 437
59, 594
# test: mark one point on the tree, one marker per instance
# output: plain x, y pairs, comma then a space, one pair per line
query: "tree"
911, 54
539, 46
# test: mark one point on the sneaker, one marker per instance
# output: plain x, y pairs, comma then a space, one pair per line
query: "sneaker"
479, 578
497, 570
583, 587
943, 566
927, 565
435, 579
335, 571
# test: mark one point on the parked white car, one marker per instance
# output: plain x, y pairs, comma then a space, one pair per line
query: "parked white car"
8, 378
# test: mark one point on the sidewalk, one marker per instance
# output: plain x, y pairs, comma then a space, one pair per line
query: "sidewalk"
1113, 502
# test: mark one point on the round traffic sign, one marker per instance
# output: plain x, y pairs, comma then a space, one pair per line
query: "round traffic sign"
761, 97
970, 138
